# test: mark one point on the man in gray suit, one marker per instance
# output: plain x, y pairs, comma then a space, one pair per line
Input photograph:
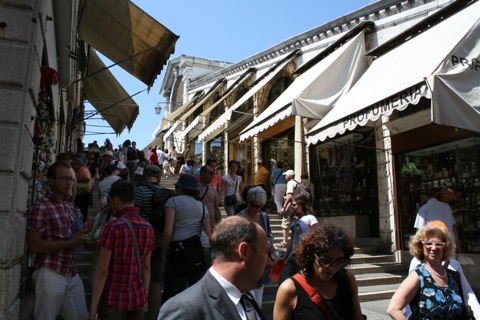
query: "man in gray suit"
239, 252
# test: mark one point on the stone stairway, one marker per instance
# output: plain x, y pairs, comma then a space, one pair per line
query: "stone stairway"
377, 274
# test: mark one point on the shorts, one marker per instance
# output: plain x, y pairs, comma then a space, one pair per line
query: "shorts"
286, 218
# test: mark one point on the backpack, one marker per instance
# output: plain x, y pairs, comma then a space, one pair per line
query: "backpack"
159, 199
131, 154
302, 190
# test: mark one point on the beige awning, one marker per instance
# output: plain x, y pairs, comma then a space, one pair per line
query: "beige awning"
243, 78
216, 87
176, 113
128, 36
106, 95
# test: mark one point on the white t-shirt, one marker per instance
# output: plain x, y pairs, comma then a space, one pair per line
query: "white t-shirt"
436, 210
161, 156
300, 227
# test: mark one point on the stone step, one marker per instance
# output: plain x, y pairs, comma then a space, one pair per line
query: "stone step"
368, 258
382, 267
378, 292
380, 278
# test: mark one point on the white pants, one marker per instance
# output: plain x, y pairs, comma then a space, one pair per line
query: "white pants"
280, 190
58, 294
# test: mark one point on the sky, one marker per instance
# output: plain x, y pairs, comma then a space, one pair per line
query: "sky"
219, 30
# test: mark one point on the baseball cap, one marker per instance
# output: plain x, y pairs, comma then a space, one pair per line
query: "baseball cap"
260, 161
153, 171
289, 173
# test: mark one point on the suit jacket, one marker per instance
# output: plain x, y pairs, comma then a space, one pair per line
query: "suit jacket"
204, 300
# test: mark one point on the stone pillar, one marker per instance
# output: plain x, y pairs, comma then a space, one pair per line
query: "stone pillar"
385, 186
21, 50
299, 148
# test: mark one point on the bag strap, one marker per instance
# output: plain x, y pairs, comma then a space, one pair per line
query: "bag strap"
313, 294
201, 221
278, 177
135, 243
206, 190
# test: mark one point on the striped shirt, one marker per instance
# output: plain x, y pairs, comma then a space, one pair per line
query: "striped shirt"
124, 289
143, 201
56, 221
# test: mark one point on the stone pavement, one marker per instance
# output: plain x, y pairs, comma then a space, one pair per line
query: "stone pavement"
375, 310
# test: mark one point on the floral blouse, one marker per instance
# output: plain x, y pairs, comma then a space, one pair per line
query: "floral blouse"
433, 301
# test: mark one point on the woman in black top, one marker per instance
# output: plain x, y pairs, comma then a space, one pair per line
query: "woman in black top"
322, 256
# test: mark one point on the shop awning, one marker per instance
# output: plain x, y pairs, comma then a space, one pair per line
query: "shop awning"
214, 89
397, 79
314, 93
128, 36
176, 113
170, 131
257, 85
195, 127
206, 134
108, 97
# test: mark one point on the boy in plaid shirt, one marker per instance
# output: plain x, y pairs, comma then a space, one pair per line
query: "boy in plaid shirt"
118, 282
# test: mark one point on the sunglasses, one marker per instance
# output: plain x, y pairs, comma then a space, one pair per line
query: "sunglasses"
428, 245
326, 262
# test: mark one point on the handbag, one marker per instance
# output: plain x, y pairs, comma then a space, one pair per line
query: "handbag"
231, 199
186, 256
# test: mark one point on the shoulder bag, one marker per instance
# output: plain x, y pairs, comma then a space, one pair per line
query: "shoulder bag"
135, 244
231, 199
186, 256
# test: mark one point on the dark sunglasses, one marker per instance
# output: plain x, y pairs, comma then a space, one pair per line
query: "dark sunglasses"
326, 262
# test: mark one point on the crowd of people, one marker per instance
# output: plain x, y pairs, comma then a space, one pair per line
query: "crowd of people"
164, 254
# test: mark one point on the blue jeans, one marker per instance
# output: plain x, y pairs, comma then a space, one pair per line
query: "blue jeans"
291, 268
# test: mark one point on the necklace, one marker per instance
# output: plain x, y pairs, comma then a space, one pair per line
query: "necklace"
438, 274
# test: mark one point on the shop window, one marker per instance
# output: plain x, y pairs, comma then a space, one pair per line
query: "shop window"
215, 151
453, 170
344, 172
280, 148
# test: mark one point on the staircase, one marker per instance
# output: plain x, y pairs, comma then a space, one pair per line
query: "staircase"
378, 275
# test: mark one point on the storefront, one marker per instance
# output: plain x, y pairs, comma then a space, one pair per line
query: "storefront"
344, 172
448, 160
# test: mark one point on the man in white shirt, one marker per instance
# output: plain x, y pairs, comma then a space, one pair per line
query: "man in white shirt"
109, 158
436, 210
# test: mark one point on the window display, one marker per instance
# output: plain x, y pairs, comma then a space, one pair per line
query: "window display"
345, 171
453, 170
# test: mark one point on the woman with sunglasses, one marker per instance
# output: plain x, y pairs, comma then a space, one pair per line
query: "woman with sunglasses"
431, 291
255, 200
301, 223
323, 289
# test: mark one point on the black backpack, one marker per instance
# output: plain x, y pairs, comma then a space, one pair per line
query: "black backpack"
131, 154
159, 199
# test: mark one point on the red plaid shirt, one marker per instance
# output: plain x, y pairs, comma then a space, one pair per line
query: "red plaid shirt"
56, 220
124, 289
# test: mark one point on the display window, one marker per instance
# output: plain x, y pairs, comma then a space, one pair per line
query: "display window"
452, 169
215, 150
344, 171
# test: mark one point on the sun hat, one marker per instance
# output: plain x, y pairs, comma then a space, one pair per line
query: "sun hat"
108, 153
187, 181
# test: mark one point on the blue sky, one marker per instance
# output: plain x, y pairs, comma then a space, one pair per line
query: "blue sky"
218, 30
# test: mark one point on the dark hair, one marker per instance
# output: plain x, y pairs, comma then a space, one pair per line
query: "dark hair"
229, 233
205, 168
320, 239
123, 190
209, 161
280, 164
232, 162
62, 157
52, 169
302, 200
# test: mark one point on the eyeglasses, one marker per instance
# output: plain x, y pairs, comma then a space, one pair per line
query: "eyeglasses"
66, 179
326, 262
428, 245
258, 206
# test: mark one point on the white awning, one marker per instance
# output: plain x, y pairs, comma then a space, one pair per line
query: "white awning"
215, 88
220, 122
177, 112
314, 93
397, 79
195, 127
170, 131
